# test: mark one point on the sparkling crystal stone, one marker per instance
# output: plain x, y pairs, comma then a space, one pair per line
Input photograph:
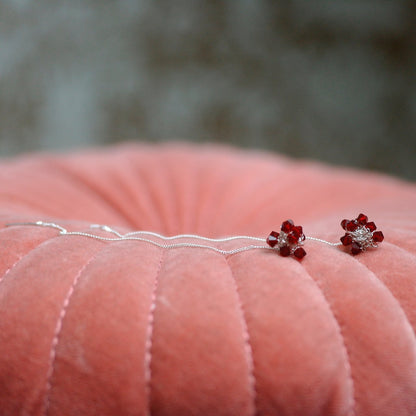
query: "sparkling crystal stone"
297, 231
299, 253
355, 248
362, 219
285, 251
287, 226
344, 224
346, 240
272, 238
351, 226
378, 236
371, 226
292, 238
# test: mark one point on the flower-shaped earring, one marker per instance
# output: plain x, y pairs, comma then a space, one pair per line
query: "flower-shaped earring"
360, 234
289, 240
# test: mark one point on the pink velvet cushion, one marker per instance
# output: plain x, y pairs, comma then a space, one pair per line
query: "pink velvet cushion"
126, 328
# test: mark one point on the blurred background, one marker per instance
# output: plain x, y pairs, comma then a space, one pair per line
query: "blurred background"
332, 80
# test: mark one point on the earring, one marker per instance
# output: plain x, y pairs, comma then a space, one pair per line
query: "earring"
289, 240
360, 234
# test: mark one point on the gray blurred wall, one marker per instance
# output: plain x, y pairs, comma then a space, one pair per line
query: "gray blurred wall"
330, 80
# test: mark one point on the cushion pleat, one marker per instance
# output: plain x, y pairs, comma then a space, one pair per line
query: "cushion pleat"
129, 328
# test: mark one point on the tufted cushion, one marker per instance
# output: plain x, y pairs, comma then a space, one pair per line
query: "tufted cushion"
89, 327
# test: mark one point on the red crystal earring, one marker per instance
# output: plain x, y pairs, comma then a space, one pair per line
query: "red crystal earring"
360, 234
289, 240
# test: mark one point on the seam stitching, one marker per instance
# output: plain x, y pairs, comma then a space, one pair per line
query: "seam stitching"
344, 343
149, 338
57, 333
247, 344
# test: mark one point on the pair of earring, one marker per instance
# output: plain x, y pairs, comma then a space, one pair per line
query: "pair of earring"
359, 235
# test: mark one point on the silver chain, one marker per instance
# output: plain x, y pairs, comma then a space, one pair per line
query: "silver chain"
134, 236
324, 241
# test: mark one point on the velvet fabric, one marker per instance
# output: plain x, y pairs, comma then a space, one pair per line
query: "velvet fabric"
89, 327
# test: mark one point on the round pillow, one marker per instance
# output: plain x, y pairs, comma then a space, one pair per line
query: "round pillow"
92, 327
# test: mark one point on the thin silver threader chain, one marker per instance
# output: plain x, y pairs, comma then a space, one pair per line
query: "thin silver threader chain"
140, 236
324, 241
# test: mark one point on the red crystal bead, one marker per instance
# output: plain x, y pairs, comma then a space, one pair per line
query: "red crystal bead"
292, 239
346, 240
378, 236
285, 251
352, 226
297, 231
356, 249
362, 219
371, 226
299, 253
287, 226
272, 238
344, 224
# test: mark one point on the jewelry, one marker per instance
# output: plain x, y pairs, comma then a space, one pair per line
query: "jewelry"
289, 240
360, 234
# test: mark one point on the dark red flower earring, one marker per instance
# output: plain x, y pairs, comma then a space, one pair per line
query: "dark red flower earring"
289, 240
360, 234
